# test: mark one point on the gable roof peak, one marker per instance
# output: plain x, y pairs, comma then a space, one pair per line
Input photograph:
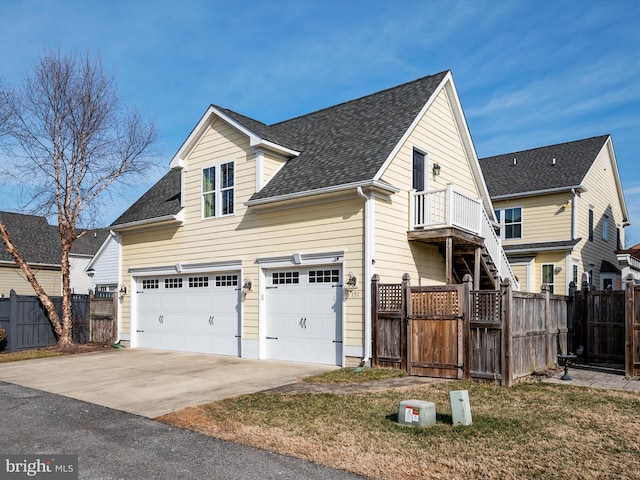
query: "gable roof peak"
441, 74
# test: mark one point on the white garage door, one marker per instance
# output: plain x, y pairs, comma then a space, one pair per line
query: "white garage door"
191, 313
304, 315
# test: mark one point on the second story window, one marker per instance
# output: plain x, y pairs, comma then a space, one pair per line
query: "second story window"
590, 225
218, 190
511, 222
605, 227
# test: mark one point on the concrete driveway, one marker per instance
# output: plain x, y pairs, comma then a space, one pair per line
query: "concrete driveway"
152, 382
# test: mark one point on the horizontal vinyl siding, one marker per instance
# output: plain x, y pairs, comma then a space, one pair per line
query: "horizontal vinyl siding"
436, 135
544, 218
603, 195
247, 235
558, 260
106, 267
14, 279
520, 271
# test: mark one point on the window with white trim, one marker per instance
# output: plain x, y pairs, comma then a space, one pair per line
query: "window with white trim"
218, 184
510, 220
548, 275
605, 227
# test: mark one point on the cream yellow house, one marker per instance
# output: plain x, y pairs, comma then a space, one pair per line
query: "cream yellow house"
261, 240
562, 213
34, 238
39, 243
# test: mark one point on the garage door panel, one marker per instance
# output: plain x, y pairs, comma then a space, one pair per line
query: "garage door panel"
304, 316
187, 313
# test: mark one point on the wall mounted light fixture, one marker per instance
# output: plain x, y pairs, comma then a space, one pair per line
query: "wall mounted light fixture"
246, 286
122, 291
351, 281
436, 169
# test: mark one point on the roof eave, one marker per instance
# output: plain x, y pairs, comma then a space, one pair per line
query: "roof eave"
547, 191
176, 220
377, 186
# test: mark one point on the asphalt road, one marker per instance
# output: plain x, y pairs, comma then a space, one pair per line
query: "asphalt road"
116, 445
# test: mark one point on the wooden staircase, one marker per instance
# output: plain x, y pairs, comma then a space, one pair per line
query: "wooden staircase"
464, 262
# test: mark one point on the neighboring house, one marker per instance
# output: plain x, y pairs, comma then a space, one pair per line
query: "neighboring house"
40, 246
82, 253
104, 268
562, 212
629, 260
39, 243
261, 241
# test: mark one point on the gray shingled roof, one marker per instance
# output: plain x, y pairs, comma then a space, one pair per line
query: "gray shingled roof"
338, 145
348, 142
33, 237
534, 169
527, 247
89, 243
159, 201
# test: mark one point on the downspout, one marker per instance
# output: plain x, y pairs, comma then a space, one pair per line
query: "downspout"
574, 214
369, 239
118, 239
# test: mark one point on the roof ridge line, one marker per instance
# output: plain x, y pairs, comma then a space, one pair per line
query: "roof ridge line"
546, 146
346, 102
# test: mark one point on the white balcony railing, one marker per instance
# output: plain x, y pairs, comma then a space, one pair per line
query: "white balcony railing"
449, 208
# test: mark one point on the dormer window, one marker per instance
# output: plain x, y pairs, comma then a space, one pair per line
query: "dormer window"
217, 190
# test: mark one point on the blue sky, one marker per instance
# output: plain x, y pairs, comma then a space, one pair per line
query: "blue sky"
528, 73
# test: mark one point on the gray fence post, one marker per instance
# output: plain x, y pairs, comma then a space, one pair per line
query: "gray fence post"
12, 334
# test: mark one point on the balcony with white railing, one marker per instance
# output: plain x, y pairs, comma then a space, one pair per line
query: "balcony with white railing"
438, 210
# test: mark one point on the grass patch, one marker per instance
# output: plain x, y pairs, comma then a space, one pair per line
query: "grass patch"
27, 355
355, 375
527, 431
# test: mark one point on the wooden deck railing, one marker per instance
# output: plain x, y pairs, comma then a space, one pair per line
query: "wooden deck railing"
450, 208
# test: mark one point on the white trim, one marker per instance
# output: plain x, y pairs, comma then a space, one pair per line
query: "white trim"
322, 258
206, 121
568, 272
502, 223
577, 188
152, 223
259, 169
369, 268
186, 268
553, 271
385, 187
217, 190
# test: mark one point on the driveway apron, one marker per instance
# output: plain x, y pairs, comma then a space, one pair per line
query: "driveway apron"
153, 382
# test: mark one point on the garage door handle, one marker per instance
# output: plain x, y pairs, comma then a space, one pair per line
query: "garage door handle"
139, 331
272, 338
337, 341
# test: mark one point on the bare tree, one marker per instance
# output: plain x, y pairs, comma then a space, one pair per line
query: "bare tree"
68, 136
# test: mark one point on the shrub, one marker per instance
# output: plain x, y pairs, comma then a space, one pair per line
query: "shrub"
3, 334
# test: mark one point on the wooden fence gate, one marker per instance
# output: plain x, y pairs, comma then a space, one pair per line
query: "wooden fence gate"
436, 331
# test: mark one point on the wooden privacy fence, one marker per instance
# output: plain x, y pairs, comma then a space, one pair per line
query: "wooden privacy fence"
453, 332
24, 319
